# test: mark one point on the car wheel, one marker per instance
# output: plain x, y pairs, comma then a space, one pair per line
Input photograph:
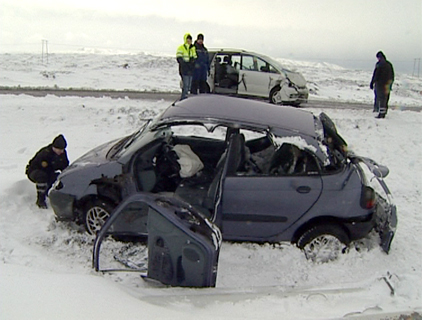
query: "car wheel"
275, 95
96, 214
323, 243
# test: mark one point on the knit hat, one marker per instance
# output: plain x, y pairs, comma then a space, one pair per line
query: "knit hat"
59, 142
200, 36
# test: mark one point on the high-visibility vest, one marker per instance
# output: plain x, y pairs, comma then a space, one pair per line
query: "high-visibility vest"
185, 51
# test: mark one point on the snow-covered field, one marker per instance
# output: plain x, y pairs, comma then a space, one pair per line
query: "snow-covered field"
45, 268
145, 72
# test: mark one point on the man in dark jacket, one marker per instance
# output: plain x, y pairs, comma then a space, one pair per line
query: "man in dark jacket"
382, 82
202, 67
42, 168
186, 56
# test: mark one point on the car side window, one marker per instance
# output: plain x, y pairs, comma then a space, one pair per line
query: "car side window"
236, 60
262, 65
289, 160
272, 69
248, 63
256, 151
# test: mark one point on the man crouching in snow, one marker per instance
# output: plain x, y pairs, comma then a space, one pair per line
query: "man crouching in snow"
42, 168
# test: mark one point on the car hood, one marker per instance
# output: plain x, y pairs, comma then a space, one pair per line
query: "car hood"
96, 155
94, 158
78, 177
295, 77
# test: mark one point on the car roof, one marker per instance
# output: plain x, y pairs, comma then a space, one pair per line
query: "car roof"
228, 50
233, 111
234, 50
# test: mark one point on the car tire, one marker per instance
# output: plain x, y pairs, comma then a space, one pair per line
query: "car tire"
96, 214
324, 243
273, 93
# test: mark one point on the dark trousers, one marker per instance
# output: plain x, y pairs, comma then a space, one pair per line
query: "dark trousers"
43, 180
200, 85
382, 96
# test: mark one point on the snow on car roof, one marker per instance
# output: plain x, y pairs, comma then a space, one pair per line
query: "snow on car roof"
238, 111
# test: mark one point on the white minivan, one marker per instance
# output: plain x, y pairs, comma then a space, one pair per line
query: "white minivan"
244, 73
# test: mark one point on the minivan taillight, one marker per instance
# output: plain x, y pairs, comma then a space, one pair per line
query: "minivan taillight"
367, 198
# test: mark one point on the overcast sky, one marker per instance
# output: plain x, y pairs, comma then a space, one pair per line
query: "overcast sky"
346, 32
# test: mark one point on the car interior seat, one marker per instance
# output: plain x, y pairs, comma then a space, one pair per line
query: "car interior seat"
218, 70
283, 159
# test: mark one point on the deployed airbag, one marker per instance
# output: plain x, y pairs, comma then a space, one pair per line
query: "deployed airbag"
190, 164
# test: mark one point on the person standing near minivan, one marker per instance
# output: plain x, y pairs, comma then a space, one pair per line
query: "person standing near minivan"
202, 67
186, 57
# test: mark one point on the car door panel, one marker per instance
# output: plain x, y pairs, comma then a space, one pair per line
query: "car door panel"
260, 207
256, 81
183, 247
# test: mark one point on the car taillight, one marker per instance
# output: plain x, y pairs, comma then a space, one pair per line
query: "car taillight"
367, 198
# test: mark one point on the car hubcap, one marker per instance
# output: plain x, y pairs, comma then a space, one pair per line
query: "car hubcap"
276, 97
324, 248
95, 218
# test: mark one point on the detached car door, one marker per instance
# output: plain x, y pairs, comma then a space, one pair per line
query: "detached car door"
183, 246
261, 207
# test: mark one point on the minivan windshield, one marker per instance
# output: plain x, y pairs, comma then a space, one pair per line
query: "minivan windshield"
275, 63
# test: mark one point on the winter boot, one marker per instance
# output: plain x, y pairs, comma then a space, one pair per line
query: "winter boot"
41, 191
382, 112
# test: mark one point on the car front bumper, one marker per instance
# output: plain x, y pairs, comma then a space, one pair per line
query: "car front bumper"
62, 204
299, 96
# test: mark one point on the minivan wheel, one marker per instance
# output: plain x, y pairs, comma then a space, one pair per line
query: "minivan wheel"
323, 243
96, 214
274, 95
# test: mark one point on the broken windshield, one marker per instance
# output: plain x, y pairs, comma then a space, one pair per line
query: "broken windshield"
126, 142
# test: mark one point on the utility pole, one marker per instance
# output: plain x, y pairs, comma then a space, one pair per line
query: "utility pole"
44, 50
416, 67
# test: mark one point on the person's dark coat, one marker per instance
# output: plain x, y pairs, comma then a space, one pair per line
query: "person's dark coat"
202, 63
383, 73
48, 162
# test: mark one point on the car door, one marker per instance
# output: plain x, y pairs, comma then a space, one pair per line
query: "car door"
183, 246
254, 77
261, 207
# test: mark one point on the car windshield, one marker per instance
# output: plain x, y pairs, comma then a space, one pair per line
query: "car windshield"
124, 143
276, 64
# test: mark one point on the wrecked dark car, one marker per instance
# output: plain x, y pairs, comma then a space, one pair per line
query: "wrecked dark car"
259, 172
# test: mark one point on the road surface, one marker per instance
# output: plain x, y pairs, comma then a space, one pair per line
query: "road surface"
170, 96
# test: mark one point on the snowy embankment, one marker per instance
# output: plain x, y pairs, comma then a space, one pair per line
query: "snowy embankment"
143, 72
46, 266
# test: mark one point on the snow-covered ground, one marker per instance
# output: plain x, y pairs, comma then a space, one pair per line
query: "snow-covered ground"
45, 268
146, 72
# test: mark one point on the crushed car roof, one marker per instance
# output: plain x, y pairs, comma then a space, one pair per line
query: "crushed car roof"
237, 111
